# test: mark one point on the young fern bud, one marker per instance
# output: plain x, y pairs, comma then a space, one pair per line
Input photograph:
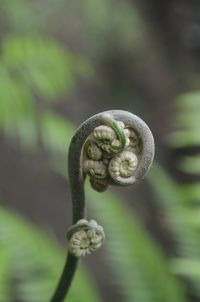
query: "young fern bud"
113, 148
122, 145
85, 237
98, 185
96, 169
94, 152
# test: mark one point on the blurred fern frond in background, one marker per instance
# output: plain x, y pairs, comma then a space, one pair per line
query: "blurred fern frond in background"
41, 64
33, 70
5, 276
181, 202
136, 259
31, 264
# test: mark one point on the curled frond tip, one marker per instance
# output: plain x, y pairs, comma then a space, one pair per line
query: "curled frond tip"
85, 237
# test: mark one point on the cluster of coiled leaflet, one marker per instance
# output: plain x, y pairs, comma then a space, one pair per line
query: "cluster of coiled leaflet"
111, 154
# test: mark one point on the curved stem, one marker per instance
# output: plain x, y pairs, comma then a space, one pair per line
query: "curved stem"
77, 178
65, 279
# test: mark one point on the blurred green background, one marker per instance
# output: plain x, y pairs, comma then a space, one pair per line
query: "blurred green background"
61, 62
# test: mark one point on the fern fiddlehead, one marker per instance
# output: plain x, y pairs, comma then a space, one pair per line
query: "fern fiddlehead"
113, 148
85, 237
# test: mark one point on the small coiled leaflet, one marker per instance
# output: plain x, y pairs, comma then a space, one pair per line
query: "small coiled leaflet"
123, 165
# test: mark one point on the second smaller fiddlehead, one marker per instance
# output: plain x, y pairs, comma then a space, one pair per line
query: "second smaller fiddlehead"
85, 237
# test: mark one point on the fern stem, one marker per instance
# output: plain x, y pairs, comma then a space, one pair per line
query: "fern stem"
77, 177
65, 279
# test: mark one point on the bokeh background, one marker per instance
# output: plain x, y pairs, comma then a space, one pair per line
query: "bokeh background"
61, 62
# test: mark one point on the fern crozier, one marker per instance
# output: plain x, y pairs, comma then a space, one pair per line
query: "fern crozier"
85, 237
113, 148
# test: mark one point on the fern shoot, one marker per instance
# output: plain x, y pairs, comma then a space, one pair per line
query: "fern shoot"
113, 148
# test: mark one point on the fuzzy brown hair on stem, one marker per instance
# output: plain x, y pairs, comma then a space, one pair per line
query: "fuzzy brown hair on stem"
112, 148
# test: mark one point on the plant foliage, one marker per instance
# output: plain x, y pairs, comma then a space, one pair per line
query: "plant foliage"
180, 202
32, 262
137, 261
33, 70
